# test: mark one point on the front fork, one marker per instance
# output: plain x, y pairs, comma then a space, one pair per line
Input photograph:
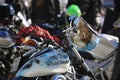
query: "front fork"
83, 64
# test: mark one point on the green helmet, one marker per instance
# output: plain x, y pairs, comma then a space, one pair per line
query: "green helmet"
73, 10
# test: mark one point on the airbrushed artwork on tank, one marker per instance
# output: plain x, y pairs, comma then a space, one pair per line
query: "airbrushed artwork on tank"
57, 60
51, 62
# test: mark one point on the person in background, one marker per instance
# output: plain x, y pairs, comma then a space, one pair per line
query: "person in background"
48, 11
49, 14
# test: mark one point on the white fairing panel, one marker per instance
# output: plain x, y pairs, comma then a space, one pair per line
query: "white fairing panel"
107, 44
55, 61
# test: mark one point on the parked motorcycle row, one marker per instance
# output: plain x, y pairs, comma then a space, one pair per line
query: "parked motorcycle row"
76, 52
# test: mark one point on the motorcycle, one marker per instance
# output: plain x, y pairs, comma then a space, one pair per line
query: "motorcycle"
100, 60
65, 61
52, 63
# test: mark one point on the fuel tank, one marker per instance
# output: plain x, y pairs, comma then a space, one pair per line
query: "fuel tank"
49, 62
